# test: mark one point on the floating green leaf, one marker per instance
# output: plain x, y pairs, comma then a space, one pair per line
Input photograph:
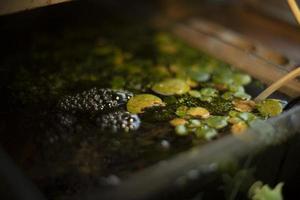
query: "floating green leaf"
207, 94
195, 93
206, 132
198, 112
241, 79
269, 107
236, 88
217, 122
199, 74
258, 191
247, 116
210, 92
138, 103
181, 111
171, 87
228, 95
238, 127
181, 130
178, 121
242, 95
192, 123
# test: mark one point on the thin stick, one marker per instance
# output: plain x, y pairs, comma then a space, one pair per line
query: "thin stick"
293, 74
295, 9
275, 86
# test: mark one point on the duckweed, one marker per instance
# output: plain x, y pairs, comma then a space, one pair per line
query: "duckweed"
228, 96
181, 130
208, 94
178, 121
260, 191
199, 76
181, 111
234, 120
241, 79
171, 87
239, 127
236, 117
224, 77
192, 83
242, 95
138, 103
192, 123
206, 132
270, 107
198, 112
246, 116
236, 88
244, 106
217, 122
220, 86
233, 113
206, 98
195, 93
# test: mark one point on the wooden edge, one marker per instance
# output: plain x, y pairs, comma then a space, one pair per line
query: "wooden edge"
252, 64
12, 6
277, 9
239, 41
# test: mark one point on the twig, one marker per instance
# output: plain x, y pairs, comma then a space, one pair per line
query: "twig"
275, 86
295, 9
293, 74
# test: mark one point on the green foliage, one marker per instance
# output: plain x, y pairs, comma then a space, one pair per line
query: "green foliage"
259, 191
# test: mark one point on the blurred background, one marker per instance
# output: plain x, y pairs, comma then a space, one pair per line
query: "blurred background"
267, 22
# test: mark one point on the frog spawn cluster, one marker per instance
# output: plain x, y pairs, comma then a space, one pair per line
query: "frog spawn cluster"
104, 106
95, 100
118, 120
